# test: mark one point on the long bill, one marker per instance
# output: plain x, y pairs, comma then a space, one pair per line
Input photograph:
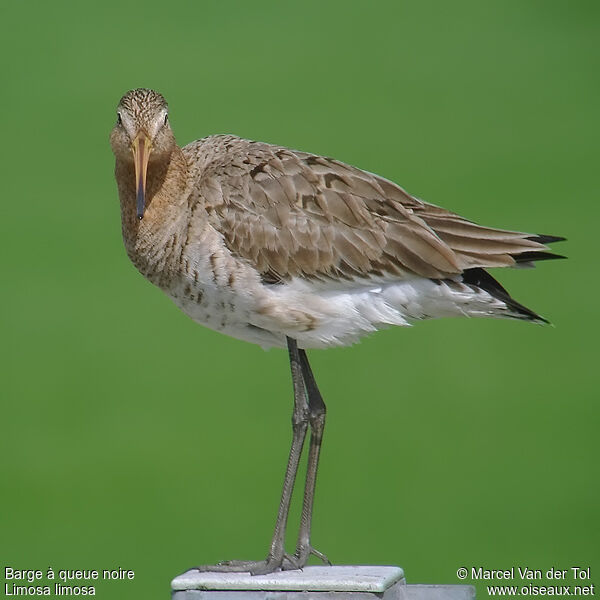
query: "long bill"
141, 148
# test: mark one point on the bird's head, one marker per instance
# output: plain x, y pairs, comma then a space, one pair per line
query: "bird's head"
142, 135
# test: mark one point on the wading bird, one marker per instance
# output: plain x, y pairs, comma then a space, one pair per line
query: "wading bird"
289, 249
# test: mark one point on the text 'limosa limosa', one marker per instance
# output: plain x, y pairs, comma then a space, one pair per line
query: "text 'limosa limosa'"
290, 249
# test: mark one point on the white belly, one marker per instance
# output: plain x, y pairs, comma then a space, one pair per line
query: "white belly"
323, 314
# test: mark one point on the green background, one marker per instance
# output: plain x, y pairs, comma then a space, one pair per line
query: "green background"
133, 437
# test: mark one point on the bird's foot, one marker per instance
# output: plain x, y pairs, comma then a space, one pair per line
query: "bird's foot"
301, 556
271, 564
254, 567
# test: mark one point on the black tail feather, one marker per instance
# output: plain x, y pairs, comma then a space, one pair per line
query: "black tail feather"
546, 239
532, 255
480, 278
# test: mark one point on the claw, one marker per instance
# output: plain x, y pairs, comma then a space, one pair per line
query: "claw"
320, 556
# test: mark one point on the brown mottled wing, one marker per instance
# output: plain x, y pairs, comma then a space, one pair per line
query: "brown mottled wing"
296, 214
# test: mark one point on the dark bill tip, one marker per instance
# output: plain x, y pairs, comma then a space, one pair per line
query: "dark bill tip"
140, 201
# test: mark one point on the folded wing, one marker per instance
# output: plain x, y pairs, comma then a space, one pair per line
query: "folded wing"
294, 214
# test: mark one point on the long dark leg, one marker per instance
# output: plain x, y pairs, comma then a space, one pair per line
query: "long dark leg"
316, 415
300, 420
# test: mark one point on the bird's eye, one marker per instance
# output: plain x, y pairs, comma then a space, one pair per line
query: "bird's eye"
119, 120
166, 119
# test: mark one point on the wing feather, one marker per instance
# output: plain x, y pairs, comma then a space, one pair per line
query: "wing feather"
295, 214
